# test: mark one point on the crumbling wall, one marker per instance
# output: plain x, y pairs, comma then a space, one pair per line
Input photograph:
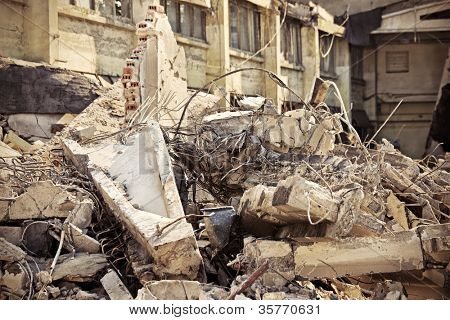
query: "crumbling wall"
92, 43
11, 29
37, 88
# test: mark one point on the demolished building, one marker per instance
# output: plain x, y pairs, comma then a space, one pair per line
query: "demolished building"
159, 192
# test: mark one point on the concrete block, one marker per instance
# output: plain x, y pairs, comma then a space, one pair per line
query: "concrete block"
279, 255
114, 287
42, 200
357, 256
298, 196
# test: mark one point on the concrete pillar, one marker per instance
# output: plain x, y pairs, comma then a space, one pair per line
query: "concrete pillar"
311, 58
272, 55
41, 31
218, 37
344, 81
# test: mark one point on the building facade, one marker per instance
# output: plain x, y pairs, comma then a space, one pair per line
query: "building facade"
96, 36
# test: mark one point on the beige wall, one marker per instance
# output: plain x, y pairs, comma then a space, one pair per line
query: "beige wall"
91, 45
11, 29
95, 41
425, 69
418, 88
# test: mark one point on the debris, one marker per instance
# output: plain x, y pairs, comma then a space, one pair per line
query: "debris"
82, 267
178, 290
218, 222
17, 143
114, 286
84, 133
11, 234
41, 200
10, 252
80, 241
62, 122
162, 191
8, 152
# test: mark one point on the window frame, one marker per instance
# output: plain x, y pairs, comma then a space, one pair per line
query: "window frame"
287, 29
331, 71
191, 9
252, 28
356, 60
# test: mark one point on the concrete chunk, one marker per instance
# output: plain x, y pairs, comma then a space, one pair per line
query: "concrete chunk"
114, 287
10, 252
279, 256
83, 267
298, 196
356, 256
42, 200
144, 168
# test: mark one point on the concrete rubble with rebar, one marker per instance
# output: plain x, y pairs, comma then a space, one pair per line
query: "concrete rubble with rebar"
121, 203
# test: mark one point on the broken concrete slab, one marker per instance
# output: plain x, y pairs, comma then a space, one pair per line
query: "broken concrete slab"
356, 256
25, 83
82, 267
84, 133
11, 234
436, 243
8, 152
15, 279
17, 143
278, 254
114, 287
179, 290
62, 122
10, 252
43, 199
299, 198
34, 125
143, 168
80, 241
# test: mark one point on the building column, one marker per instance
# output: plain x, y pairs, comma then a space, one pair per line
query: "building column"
343, 70
272, 55
41, 31
310, 58
218, 37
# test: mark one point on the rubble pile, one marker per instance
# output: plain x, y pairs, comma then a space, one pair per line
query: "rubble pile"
163, 193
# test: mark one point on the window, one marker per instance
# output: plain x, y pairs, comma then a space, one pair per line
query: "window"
245, 26
186, 19
123, 8
291, 42
117, 8
327, 63
88, 4
356, 57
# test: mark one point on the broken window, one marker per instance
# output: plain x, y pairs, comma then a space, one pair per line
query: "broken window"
291, 43
356, 56
88, 4
123, 8
186, 19
245, 26
327, 52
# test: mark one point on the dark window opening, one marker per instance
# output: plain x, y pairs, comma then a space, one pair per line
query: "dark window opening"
123, 8
445, 14
327, 48
186, 19
291, 43
245, 26
356, 58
